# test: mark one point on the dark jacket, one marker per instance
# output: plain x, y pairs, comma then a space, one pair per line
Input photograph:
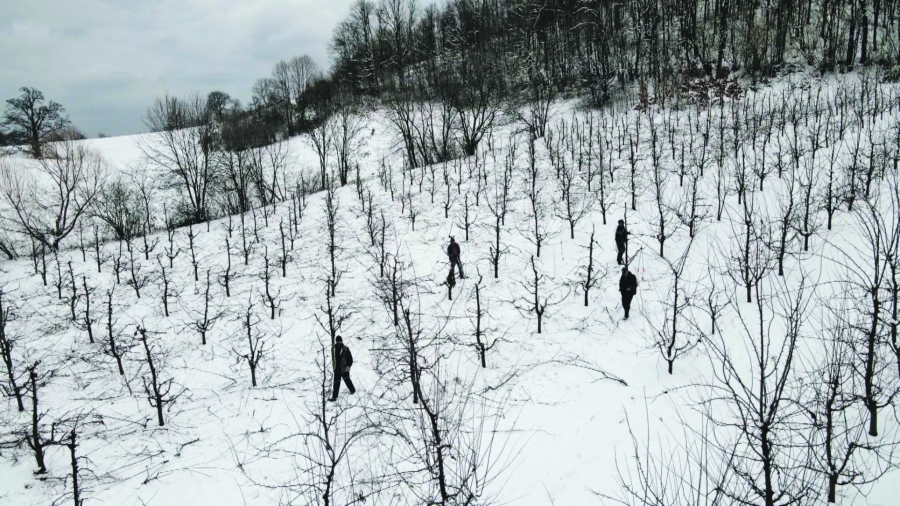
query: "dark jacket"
453, 249
342, 358
628, 284
621, 234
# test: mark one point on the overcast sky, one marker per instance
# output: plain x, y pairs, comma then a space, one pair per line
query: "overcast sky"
106, 60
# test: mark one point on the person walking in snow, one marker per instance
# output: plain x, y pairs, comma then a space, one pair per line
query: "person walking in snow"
453, 253
343, 359
628, 286
621, 239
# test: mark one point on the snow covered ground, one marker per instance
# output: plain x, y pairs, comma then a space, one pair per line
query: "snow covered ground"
551, 407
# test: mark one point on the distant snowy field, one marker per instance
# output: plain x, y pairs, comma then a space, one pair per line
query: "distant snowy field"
553, 401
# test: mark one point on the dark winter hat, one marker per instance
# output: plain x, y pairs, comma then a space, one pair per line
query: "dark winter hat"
452, 238
621, 222
339, 339
624, 270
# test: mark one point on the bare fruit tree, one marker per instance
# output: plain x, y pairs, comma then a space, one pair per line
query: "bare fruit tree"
46, 204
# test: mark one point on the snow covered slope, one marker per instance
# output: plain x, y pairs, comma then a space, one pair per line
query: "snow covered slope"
555, 417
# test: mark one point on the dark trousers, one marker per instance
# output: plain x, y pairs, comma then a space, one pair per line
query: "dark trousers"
337, 383
626, 303
621, 247
454, 261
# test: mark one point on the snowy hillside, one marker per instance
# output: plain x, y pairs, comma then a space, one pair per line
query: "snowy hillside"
584, 411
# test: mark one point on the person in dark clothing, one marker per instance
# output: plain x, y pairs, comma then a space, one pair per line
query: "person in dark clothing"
628, 286
453, 253
343, 359
621, 239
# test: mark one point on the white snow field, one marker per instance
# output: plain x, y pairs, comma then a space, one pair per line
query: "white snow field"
568, 416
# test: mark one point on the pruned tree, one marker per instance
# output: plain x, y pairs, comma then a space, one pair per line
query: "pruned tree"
332, 317
195, 261
332, 226
673, 336
591, 274
158, 390
41, 431
112, 345
495, 205
8, 341
138, 279
664, 222
166, 282
468, 217
480, 328
786, 222
270, 296
249, 343
537, 295
750, 259
204, 319
534, 220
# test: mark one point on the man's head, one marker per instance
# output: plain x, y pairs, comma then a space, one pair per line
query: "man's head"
621, 222
452, 239
624, 270
338, 341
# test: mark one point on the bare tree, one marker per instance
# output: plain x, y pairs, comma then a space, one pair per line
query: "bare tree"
8, 340
271, 297
534, 303
48, 204
322, 139
204, 319
332, 231
664, 221
573, 203
844, 454
182, 144
866, 279
767, 466
302, 72
118, 206
253, 343
751, 260
113, 345
592, 273
320, 447
534, 219
159, 391
673, 337
39, 434
349, 126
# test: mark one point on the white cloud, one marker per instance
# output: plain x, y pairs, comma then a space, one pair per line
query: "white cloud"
105, 60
